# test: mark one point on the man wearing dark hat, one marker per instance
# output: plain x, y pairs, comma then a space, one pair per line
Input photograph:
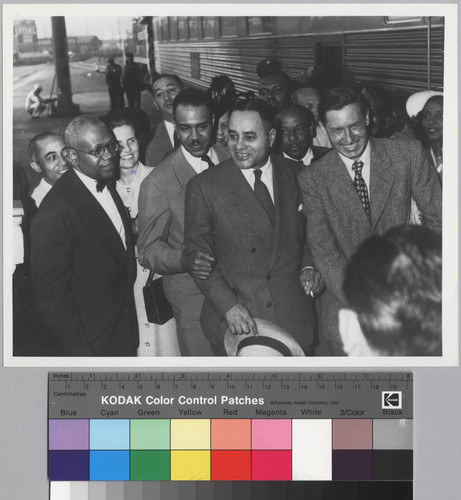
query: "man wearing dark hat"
363, 187
82, 254
161, 216
114, 84
245, 213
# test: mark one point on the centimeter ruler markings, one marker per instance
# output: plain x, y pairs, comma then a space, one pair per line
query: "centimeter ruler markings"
230, 395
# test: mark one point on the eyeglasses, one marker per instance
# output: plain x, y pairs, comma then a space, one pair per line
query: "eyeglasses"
113, 147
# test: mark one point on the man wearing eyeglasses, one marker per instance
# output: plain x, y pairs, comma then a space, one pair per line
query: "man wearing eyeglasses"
82, 253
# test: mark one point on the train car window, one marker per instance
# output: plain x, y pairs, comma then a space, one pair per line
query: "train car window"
228, 26
401, 19
259, 25
182, 28
209, 27
164, 29
194, 27
173, 25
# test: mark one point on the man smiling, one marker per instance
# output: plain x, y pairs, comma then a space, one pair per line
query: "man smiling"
244, 213
82, 254
161, 217
361, 188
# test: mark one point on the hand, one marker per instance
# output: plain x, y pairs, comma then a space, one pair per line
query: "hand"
240, 321
311, 281
198, 264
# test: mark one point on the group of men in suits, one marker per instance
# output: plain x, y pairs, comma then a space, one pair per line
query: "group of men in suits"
224, 226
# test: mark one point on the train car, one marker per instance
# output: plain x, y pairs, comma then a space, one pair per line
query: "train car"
403, 53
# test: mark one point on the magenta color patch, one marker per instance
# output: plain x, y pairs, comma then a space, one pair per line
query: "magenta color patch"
271, 465
352, 434
271, 434
69, 435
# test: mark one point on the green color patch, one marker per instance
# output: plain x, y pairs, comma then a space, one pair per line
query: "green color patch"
150, 466
150, 434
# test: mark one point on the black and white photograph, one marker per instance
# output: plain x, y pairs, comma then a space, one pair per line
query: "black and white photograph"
197, 190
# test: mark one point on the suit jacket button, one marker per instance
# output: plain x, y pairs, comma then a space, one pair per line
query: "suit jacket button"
269, 304
268, 277
253, 250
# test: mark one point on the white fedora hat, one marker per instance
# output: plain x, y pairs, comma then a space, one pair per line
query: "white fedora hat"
270, 341
416, 102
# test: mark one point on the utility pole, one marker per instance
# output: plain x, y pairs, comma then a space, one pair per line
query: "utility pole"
64, 106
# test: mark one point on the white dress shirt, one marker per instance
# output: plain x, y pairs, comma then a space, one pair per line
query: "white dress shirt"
266, 177
170, 131
307, 160
365, 158
198, 164
104, 198
41, 191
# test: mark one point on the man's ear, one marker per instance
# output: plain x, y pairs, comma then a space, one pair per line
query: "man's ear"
35, 166
70, 156
272, 136
367, 118
354, 341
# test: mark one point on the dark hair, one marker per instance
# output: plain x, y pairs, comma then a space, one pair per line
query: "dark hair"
305, 113
260, 106
339, 97
222, 94
32, 149
192, 97
167, 75
394, 284
120, 122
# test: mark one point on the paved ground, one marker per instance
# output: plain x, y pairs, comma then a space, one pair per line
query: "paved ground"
89, 92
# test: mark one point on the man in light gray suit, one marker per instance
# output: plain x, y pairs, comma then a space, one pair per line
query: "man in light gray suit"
246, 214
361, 188
161, 217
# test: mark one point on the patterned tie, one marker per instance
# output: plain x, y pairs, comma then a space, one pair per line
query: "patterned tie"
264, 196
207, 159
361, 187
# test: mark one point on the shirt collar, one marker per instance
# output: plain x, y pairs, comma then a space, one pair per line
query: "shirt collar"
196, 163
307, 158
89, 182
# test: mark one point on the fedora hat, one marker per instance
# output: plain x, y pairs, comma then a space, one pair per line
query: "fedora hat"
416, 102
270, 341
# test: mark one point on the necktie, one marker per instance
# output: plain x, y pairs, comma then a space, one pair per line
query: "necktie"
264, 196
207, 159
102, 183
361, 187
176, 141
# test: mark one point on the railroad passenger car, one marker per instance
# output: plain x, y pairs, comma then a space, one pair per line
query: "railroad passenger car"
398, 52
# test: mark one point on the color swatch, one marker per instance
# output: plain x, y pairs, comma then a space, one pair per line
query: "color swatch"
230, 449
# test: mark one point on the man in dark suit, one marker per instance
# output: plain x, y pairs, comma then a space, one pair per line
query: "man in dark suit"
296, 129
361, 188
82, 253
165, 88
161, 217
245, 213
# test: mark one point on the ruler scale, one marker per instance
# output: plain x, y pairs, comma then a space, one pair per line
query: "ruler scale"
201, 426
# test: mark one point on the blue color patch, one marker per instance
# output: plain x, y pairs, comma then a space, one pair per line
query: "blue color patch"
109, 465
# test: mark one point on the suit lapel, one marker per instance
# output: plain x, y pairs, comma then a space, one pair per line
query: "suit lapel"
381, 180
105, 227
287, 200
181, 168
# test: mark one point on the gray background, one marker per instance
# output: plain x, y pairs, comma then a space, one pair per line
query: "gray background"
23, 432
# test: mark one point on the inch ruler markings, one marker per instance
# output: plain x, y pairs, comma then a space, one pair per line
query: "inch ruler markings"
230, 426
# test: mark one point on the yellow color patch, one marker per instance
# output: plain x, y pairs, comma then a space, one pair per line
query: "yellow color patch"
190, 434
190, 466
